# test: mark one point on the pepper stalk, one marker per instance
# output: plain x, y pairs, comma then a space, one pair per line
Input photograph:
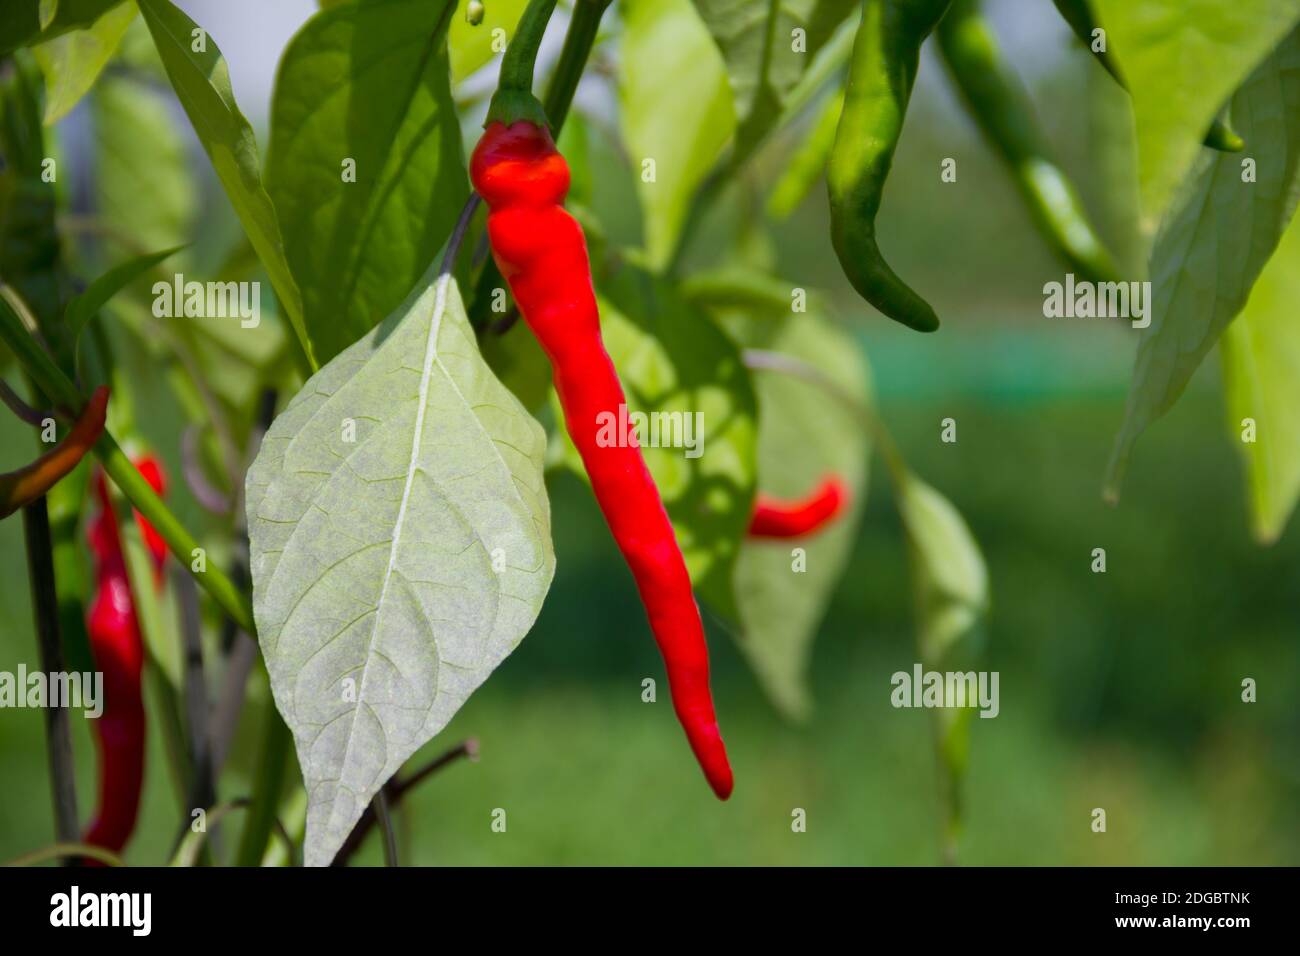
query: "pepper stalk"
514, 100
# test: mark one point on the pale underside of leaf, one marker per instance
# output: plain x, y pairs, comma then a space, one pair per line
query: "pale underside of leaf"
378, 607
1217, 238
1261, 383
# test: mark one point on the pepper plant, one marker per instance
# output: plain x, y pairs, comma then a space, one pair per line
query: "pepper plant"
443, 317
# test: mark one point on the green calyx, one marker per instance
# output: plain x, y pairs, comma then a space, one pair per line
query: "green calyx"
512, 106
514, 100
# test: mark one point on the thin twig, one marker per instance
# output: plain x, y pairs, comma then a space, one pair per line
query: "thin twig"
45, 601
202, 786
385, 821
225, 717
466, 748
25, 412
396, 789
70, 853
238, 648
204, 493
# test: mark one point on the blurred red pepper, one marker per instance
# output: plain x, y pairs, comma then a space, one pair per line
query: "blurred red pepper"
118, 649
778, 518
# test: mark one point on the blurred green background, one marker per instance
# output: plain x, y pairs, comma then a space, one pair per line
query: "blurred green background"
1118, 690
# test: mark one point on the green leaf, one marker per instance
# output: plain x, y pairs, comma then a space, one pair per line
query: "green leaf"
471, 46
950, 582
808, 163
72, 62
144, 186
364, 84
739, 287
518, 360
47, 11
948, 570
23, 22
804, 434
676, 113
82, 308
1261, 377
199, 74
393, 572
766, 48
1182, 59
674, 361
1217, 236
29, 244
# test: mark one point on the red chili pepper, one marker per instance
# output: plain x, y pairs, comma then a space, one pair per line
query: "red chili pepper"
22, 487
542, 254
118, 650
152, 470
778, 518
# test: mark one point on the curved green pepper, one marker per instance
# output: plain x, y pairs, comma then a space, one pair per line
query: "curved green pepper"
1004, 113
882, 71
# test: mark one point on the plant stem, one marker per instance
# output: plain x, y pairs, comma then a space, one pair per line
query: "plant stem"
70, 853
521, 54
385, 821
56, 385
20, 408
579, 40
45, 602
578, 43
202, 783
267, 786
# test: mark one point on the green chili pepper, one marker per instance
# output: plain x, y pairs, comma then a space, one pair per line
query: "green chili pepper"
886, 51
1078, 14
1002, 109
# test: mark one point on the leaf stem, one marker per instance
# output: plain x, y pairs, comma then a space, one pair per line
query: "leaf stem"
458, 234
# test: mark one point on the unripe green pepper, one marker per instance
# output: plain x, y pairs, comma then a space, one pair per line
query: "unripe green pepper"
882, 71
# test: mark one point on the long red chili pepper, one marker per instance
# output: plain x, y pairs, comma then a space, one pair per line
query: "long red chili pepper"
118, 651
542, 254
21, 487
778, 518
